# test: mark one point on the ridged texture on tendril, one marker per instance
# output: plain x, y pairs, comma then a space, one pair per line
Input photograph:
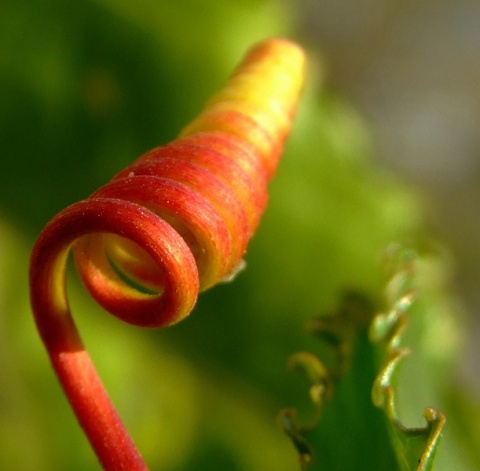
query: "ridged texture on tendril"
176, 221
206, 191
258, 102
210, 186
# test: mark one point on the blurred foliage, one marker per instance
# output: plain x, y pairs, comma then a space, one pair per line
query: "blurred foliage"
416, 307
87, 86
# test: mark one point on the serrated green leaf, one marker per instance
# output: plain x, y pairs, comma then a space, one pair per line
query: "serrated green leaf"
415, 448
343, 432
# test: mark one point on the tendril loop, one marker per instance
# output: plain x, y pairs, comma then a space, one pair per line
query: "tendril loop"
176, 221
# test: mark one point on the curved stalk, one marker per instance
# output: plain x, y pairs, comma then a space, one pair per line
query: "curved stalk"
176, 221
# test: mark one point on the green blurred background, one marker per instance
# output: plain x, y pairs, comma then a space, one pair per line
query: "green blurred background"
86, 87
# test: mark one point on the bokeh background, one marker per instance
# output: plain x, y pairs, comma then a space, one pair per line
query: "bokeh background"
412, 69
385, 147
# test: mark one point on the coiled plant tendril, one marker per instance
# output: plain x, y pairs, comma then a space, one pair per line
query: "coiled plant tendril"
176, 221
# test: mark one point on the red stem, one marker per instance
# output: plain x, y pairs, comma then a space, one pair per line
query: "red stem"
73, 366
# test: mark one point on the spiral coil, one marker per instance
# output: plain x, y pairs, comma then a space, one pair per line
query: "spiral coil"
210, 186
173, 223
179, 218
